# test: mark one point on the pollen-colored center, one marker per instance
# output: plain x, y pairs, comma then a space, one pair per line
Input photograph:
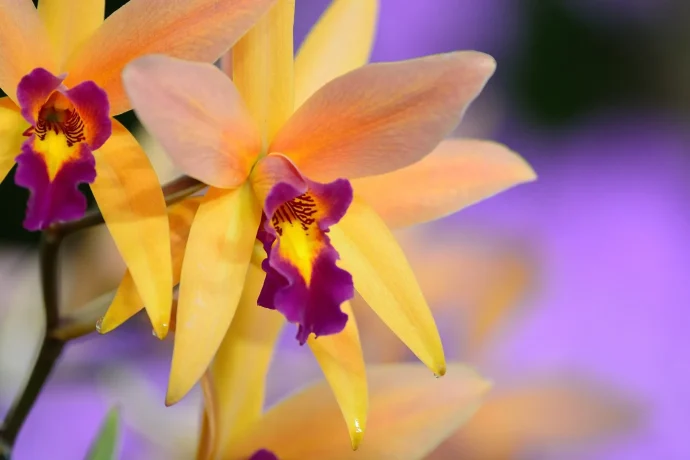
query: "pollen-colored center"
295, 223
59, 129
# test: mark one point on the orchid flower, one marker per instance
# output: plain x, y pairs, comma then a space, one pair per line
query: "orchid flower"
410, 416
61, 66
256, 177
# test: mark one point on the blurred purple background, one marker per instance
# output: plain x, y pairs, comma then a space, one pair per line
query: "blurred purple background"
587, 92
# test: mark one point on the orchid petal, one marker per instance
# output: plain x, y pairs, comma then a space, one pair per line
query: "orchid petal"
131, 200
457, 174
25, 44
262, 63
197, 115
544, 414
197, 30
383, 277
12, 125
70, 23
340, 41
382, 117
411, 413
242, 362
213, 273
127, 301
341, 360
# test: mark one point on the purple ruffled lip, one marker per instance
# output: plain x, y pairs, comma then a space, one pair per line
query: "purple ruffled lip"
50, 170
313, 299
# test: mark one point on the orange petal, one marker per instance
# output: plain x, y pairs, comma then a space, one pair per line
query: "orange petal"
382, 117
197, 30
25, 44
262, 63
342, 363
12, 125
242, 362
383, 277
213, 274
70, 23
547, 415
197, 115
130, 197
457, 174
340, 41
411, 413
127, 301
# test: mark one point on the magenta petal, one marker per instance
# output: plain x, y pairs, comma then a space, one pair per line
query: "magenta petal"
93, 107
58, 200
263, 454
313, 304
33, 90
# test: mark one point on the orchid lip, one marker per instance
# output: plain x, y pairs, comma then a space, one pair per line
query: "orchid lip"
67, 125
303, 281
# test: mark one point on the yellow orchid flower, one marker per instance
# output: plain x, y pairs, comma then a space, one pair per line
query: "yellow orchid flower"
384, 276
61, 66
411, 415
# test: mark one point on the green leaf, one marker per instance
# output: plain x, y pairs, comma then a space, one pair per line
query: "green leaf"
104, 447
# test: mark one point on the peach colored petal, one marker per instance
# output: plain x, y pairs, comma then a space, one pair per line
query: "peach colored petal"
197, 30
411, 413
341, 360
382, 117
242, 362
340, 41
197, 115
262, 64
385, 280
24, 44
69, 24
12, 125
213, 274
544, 415
130, 197
457, 174
127, 301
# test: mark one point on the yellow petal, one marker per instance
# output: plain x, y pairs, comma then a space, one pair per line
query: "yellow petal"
70, 23
196, 30
213, 272
340, 42
342, 363
382, 117
385, 280
242, 362
411, 413
12, 125
457, 174
544, 414
262, 64
197, 115
24, 44
127, 301
130, 197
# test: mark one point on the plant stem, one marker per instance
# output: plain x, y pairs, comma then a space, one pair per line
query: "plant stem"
52, 347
